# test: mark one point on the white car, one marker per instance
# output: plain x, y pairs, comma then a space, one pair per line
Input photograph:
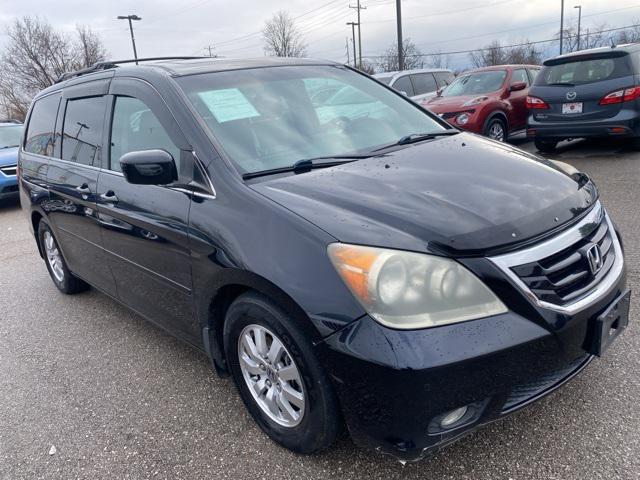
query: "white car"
418, 84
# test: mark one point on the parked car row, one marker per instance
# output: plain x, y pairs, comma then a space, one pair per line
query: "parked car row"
10, 135
585, 94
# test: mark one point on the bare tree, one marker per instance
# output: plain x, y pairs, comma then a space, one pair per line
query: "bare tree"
411, 54
496, 54
367, 67
36, 56
591, 37
439, 60
282, 38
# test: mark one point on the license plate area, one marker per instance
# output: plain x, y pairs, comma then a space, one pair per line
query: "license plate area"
610, 323
572, 108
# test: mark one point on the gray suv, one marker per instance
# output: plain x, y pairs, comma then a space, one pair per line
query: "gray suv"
591, 93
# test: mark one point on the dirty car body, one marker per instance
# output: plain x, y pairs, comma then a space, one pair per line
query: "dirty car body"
436, 280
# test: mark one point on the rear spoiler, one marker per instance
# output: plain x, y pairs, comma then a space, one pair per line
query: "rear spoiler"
585, 56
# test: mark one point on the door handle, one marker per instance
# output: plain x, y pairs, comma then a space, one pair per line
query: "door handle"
84, 189
109, 197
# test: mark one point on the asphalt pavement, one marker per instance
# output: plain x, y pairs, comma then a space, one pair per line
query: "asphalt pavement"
89, 390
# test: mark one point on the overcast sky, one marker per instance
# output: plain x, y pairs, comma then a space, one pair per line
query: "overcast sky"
232, 28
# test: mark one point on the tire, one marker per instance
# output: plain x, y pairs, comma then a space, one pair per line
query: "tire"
60, 274
546, 145
303, 426
496, 129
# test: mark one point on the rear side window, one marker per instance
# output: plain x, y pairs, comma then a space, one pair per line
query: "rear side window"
135, 127
403, 84
82, 130
424, 83
588, 70
519, 76
40, 132
444, 78
533, 73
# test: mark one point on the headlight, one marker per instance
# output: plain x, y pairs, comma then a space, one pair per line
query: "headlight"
462, 119
475, 101
409, 290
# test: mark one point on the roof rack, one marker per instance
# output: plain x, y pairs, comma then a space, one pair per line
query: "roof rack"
105, 65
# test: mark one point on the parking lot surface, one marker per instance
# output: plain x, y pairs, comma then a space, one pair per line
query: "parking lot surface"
117, 397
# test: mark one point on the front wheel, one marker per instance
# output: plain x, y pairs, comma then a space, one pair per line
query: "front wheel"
496, 129
279, 377
545, 146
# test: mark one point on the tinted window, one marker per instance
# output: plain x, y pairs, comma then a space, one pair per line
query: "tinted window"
82, 130
533, 73
424, 83
444, 78
265, 118
135, 127
475, 83
585, 71
42, 122
403, 84
519, 76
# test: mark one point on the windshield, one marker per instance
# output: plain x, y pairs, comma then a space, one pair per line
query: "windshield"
588, 70
267, 118
10, 136
476, 83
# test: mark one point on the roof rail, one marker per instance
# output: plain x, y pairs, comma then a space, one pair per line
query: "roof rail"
114, 63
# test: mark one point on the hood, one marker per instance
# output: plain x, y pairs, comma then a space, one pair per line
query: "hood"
8, 156
462, 194
451, 104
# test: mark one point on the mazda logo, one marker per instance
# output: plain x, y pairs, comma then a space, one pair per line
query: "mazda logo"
571, 95
594, 258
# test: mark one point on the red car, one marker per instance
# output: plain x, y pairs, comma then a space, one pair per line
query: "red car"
490, 101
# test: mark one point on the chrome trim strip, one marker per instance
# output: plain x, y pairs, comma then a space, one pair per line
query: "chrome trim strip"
206, 174
556, 244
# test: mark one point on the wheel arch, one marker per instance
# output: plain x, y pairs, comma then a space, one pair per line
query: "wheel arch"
223, 291
500, 114
36, 217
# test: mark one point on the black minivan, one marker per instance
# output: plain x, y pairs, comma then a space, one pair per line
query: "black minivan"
362, 265
586, 94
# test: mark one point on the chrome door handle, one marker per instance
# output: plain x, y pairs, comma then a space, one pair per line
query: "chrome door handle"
84, 189
109, 197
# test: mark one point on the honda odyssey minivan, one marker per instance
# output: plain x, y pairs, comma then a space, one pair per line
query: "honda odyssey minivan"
586, 94
369, 268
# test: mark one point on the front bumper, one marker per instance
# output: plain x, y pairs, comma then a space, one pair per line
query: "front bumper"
8, 187
625, 124
394, 385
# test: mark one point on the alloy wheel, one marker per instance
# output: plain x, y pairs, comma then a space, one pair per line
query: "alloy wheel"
53, 256
271, 375
496, 131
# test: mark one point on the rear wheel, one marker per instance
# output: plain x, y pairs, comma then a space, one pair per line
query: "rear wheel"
58, 270
496, 129
546, 145
279, 378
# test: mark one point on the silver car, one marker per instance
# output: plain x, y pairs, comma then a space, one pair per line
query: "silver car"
419, 84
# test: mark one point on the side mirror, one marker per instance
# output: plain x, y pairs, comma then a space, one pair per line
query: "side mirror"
149, 167
517, 86
439, 91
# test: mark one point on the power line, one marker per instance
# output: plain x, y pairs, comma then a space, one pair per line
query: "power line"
505, 46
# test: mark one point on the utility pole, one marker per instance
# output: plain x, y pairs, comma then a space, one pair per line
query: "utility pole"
358, 8
133, 40
210, 49
353, 34
346, 43
399, 22
561, 23
579, 7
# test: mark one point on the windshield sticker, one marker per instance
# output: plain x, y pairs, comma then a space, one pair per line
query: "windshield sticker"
228, 104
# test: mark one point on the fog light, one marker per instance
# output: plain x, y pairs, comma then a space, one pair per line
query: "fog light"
453, 416
462, 119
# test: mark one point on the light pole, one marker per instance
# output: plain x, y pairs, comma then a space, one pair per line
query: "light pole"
353, 34
579, 7
133, 40
399, 26
561, 23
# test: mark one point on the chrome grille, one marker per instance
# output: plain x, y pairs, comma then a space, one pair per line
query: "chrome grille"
566, 276
9, 170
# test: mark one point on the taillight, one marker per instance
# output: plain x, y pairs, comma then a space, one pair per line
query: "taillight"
535, 103
619, 96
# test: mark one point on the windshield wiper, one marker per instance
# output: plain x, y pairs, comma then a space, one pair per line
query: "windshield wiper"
561, 84
9, 146
419, 137
308, 164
